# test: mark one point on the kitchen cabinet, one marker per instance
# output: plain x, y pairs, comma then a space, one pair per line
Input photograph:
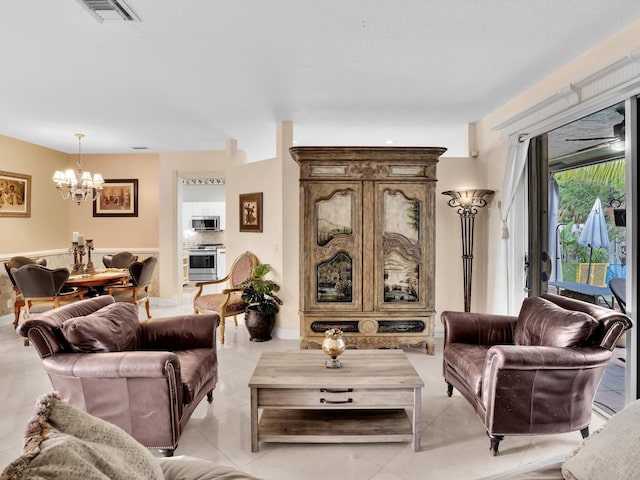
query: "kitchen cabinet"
367, 226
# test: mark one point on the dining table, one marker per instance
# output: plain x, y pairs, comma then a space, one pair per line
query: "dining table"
96, 281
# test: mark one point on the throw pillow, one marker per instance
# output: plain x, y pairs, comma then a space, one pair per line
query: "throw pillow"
113, 328
611, 452
543, 323
63, 442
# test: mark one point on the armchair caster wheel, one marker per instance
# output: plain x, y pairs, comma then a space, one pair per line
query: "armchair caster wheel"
210, 396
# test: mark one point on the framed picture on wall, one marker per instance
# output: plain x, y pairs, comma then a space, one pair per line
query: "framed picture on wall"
15, 195
119, 198
251, 212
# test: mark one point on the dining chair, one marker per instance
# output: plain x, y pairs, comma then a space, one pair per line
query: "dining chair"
17, 262
228, 302
44, 288
119, 260
137, 290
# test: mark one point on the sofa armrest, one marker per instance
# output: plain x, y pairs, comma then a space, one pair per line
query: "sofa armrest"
477, 328
540, 389
132, 364
523, 357
182, 332
140, 392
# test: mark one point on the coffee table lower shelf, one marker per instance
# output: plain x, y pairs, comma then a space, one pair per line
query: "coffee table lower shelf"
334, 426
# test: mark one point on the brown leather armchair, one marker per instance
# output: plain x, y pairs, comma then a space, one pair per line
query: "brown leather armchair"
147, 378
17, 262
533, 374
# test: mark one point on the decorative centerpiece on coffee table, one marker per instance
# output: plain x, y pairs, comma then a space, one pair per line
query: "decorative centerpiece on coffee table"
333, 345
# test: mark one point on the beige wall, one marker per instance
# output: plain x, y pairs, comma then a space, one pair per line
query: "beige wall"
456, 173
121, 232
46, 228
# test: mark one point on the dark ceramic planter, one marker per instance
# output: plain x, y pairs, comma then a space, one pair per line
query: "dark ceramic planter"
259, 326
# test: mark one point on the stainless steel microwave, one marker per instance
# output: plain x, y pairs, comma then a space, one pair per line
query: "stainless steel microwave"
205, 223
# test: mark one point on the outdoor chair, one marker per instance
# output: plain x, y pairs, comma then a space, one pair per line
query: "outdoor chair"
618, 287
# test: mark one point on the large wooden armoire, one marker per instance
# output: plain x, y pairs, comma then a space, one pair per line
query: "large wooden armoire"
367, 244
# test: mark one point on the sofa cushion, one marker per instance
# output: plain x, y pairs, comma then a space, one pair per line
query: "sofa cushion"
63, 442
611, 452
543, 323
468, 362
197, 367
113, 328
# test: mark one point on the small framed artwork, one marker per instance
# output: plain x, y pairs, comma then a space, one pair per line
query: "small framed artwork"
15, 195
119, 198
251, 212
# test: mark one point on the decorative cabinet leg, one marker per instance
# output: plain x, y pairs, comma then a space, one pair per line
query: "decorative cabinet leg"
585, 432
449, 390
431, 346
495, 442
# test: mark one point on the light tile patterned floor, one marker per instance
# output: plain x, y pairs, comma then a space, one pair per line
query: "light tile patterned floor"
454, 443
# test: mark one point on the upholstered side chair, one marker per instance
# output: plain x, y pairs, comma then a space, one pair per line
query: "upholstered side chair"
137, 290
119, 260
17, 262
228, 302
43, 289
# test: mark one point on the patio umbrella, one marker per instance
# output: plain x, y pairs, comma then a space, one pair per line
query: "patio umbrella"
594, 233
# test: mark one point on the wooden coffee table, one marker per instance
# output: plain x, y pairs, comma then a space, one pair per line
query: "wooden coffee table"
366, 400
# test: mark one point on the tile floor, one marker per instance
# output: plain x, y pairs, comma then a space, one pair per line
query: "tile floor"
454, 443
610, 396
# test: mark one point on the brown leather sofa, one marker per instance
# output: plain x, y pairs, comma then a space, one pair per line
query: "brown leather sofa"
147, 378
533, 374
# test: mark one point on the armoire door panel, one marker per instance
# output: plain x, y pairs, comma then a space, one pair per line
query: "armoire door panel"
334, 267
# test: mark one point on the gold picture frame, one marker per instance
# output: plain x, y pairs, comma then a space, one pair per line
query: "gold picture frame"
15, 195
119, 198
251, 212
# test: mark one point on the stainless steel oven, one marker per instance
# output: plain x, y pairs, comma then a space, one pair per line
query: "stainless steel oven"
203, 263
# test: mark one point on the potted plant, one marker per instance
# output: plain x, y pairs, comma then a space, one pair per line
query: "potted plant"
259, 294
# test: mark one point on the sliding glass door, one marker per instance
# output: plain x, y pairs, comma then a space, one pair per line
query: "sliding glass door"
579, 193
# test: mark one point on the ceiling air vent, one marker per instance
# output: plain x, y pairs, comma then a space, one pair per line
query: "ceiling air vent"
110, 10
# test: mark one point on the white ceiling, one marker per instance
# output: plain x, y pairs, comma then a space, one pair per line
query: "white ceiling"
194, 73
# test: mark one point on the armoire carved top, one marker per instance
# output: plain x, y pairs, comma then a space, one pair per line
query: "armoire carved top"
367, 163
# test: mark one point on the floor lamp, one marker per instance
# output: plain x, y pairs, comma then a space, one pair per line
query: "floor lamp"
467, 202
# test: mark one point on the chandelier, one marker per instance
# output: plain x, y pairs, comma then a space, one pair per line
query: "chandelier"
78, 185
